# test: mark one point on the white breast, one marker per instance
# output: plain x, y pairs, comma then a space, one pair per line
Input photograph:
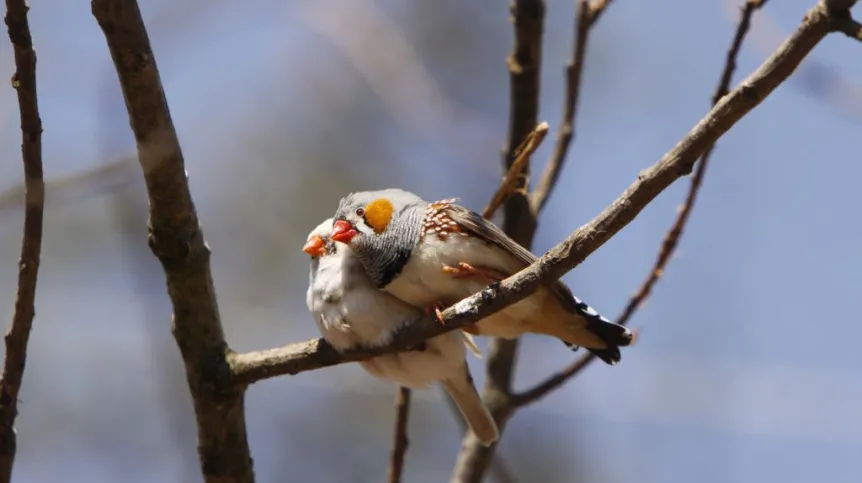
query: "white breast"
423, 281
362, 315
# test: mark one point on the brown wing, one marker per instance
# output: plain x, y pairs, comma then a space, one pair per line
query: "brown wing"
475, 224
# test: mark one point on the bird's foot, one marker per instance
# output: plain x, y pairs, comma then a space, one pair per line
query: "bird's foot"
436, 309
464, 270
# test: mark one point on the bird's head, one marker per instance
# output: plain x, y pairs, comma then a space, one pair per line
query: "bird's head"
381, 227
318, 242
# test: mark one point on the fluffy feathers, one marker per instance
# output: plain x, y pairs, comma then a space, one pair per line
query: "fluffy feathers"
408, 259
350, 311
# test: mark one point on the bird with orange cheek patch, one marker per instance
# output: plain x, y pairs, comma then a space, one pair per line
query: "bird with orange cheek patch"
435, 254
351, 312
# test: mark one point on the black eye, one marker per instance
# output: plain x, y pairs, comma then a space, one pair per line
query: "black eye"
360, 211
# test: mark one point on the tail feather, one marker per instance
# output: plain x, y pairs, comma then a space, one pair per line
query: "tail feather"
464, 393
613, 335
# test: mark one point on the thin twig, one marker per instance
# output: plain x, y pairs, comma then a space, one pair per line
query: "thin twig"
673, 235
519, 222
314, 354
522, 158
24, 83
515, 176
671, 240
399, 438
177, 241
588, 14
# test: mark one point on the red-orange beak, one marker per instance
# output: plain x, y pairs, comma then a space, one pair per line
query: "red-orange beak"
314, 246
343, 232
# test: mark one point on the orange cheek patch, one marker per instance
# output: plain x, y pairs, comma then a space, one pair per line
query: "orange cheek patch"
378, 214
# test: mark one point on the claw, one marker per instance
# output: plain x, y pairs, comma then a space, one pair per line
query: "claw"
464, 270
435, 307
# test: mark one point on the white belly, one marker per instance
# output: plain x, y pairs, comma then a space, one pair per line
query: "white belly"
365, 316
423, 281
443, 358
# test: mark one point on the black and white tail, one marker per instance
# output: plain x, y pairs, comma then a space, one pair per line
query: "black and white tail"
614, 335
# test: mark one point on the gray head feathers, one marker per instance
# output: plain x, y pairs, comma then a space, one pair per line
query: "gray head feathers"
386, 247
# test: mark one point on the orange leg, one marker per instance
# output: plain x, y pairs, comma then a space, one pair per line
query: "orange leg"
435, 307
464, 270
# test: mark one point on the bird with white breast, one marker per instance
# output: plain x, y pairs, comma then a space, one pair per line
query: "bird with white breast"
432, 255
351, 312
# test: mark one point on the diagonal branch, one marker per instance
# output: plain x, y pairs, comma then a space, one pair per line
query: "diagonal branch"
24, 83
399, 437
673, 235
176, 239
314, 354
588, 14
672, 238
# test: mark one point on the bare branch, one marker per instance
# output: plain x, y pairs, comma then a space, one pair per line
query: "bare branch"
499, 471
176, 239
297, 357
671, 240
588, 14
522, 158
24, 83
399, 438
838, 7
851, 28
519, 221
516, 175
552, 383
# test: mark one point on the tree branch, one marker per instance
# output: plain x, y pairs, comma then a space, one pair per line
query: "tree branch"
851, 28
399, 438
588, 14
297, 357
176, 239
515, 176
843, 18
498, 470
519, 221
24, 83
673, 235
522, 157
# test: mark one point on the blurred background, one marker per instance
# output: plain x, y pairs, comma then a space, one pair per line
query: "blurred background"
747, 369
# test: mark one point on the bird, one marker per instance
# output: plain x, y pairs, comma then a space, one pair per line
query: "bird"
351, 312
434, 254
